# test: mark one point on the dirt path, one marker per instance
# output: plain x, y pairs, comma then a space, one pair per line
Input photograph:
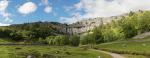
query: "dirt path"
143, 35
114, 55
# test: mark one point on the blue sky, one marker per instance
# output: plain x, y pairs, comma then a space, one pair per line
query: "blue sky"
58, 10
65, 11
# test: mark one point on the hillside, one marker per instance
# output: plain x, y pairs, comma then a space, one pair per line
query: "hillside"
32, 31
55, 27
102, 29
114, 36
132, 48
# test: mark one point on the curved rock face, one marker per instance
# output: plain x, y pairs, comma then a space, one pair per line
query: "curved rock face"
89, 24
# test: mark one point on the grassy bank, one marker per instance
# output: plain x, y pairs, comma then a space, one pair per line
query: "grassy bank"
134, 47
48, 52
134, 56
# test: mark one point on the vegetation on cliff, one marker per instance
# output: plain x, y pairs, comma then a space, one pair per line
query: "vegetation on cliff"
125, 28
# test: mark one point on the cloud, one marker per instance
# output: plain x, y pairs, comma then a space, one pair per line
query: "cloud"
101, 8
48, 9
3, 5
27, 8
106, 8
74, 18
2, 24
5, 15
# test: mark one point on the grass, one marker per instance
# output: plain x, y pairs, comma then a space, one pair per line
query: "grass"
5, 40
36, 51
48, 52
134, 56
134, 47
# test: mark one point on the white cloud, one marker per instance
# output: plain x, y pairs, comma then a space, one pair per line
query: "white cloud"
5, 15
27, 8
106, 8
3, 5
48, 9
101, 8
74, 18
2, 24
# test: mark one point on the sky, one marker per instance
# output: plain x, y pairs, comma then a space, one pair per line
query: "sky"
64, 11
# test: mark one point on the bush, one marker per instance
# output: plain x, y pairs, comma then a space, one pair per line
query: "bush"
74, 40
58, 40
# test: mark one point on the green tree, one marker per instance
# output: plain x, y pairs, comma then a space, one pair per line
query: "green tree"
74, 40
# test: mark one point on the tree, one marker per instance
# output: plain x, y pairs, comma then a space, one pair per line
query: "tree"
64, 40
74, 40
19, 35
50, 40
58, 40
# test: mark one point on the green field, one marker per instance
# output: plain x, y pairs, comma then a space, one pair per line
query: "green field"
48, 52
134, 56
37, 51
133, 46
5, 41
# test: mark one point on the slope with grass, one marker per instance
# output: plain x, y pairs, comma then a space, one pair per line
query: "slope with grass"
49, 52
134, 56
131, 47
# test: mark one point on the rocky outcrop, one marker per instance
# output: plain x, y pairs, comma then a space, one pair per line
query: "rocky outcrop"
89, 24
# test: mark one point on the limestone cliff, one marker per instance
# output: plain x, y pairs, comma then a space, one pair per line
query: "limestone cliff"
88, 24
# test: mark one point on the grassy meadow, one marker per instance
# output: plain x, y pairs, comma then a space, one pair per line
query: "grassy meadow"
48, 52
133, 47
134, 56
